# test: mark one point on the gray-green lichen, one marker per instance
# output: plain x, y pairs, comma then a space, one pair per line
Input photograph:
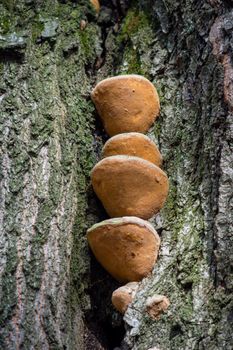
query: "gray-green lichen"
192, 140
46, 155
11, 41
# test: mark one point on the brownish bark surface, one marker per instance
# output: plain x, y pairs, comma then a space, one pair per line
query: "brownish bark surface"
53, 294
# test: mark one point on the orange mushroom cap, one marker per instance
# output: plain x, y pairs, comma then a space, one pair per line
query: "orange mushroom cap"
96, 5
126, 103
129, 186
133, 144
123, 296
126, 247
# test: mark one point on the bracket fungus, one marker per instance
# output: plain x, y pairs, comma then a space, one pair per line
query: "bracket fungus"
123, 296
126, 247
129, 186
133, 144
156, 305
126, 103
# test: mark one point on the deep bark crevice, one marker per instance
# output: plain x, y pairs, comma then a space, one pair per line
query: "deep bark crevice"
105, 327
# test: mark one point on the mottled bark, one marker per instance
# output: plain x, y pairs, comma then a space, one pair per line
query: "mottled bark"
190, 61
46, 155
53, 293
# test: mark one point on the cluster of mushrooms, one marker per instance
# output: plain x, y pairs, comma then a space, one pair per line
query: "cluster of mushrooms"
130, 184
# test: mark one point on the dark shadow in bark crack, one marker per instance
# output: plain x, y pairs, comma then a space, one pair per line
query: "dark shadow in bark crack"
104, 326
8, 55
102, 320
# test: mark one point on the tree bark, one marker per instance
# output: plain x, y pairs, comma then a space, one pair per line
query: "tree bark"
54, 295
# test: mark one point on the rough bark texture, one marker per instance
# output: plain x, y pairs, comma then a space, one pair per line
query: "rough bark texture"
190, 56
53, 295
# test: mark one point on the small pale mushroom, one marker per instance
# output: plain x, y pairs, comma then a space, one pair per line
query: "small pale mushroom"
126, 247
126, 103
123, 296
83, 24
157, 304
129, 186
133, 144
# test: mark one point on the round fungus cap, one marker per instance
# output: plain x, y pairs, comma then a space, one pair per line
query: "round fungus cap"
133, 144
126, 103
123, 296
129, 186
126, 247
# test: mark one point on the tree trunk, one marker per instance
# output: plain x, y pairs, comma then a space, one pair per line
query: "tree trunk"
54, 295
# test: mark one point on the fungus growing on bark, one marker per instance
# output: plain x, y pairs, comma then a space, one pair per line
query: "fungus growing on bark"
133, 144
126, 103
156, 305
126, 247
96, 5
129, 186
123, 296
